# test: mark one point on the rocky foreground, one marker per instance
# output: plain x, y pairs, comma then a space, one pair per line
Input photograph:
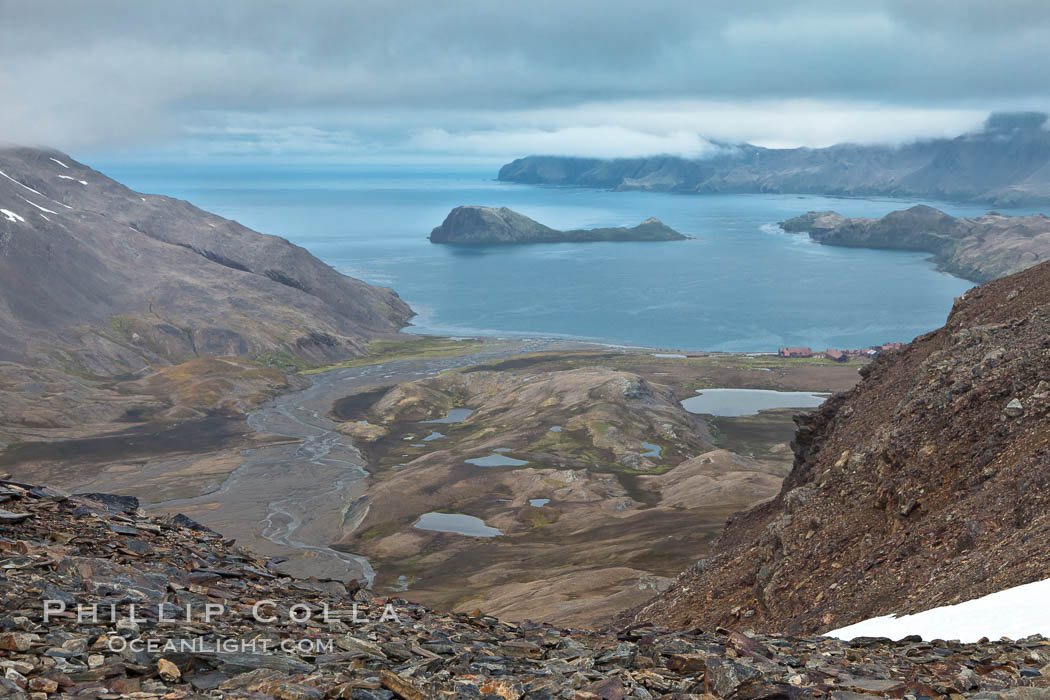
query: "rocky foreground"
59, 552
474, 224
979, 249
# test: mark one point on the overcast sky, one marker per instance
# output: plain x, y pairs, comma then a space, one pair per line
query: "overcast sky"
488, 79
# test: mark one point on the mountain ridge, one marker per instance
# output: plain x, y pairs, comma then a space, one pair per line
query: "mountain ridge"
100, 284
1007, 163
57, 203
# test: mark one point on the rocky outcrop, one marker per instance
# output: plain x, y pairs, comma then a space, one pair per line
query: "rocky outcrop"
181, 612
927, 484
979, 249
1007, 163
490, 225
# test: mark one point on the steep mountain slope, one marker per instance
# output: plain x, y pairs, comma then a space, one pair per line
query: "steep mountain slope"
1007, 163
103, 280
99, 283
926, 484
473, 224
979, 249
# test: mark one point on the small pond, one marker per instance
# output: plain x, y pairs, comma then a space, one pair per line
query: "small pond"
456, 523
748, 402
654, 450
456, 415
496, 461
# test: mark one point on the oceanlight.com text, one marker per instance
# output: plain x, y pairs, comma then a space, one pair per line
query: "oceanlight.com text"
201, 645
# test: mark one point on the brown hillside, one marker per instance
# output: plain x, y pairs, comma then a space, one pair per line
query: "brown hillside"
924, 485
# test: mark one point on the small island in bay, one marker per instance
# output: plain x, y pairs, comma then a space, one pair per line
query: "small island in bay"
474, 224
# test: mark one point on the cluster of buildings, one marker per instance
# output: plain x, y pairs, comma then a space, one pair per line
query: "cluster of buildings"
840, 355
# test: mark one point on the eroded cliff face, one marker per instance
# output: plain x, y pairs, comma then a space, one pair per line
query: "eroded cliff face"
925, 485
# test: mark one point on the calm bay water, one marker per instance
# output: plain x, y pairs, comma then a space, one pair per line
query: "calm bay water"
741, 285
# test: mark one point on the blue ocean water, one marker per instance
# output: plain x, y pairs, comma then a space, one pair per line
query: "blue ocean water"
741, 284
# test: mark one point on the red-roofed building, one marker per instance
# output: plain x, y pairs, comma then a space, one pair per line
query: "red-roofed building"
836, 355
795, 352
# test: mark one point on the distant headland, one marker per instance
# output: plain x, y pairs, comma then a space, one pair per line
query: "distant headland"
979, 249
1004, 164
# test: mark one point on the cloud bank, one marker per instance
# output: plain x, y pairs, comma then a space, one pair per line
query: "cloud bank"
251, 78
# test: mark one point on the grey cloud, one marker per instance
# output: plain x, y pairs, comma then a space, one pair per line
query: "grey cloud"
107, 72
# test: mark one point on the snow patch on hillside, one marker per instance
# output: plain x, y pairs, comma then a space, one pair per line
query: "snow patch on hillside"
1015, 613
60, 163
11, 216
37, 205
22, 185
38, 191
